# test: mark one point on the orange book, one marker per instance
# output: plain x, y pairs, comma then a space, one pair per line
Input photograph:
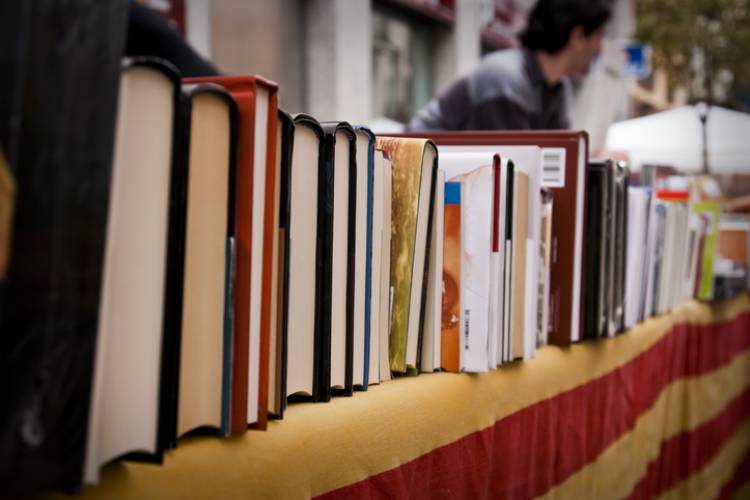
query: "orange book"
450, 352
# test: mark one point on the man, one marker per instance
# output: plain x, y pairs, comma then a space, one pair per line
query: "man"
527, 87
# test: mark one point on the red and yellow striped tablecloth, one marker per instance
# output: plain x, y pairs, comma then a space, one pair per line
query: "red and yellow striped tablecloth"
661, 411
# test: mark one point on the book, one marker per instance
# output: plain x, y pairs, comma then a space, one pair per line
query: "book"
307, 354
362, 270
597, 241
376, 258
545, 252
620, 237
257, 101
278, 345
430, 355
711, 211
528, 159
519, 277
638, 206
481, 251
563, 169
413, 166
139, 318
477, 198
386, 288
341, 160
209, 227
59, 148
450, 350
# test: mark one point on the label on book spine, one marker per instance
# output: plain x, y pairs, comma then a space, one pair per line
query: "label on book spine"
553, 167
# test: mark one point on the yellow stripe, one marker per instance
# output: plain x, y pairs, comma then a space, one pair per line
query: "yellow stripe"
321, 447
682, 406
707, 482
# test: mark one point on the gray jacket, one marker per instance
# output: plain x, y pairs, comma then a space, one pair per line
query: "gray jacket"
506, 91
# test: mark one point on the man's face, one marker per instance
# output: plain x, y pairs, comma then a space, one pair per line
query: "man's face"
584, 48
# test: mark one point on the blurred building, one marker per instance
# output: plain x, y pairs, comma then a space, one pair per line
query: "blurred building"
378, 61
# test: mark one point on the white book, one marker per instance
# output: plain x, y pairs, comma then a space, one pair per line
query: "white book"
638, 198
303, 231
386, 292
527, 159
377, 260
125, 400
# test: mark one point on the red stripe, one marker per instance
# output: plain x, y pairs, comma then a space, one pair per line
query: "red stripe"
739, 479
528, 452
685, 454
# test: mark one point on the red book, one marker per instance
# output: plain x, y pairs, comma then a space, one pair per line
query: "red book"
256, 178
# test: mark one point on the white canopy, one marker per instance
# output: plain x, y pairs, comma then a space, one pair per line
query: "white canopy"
674, 138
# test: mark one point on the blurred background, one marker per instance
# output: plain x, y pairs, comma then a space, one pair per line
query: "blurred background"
378, 61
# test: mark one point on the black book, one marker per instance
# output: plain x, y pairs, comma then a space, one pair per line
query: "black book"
621, 175
141, 298
341, 165
595, 317
71, 51
308, 258
285, 148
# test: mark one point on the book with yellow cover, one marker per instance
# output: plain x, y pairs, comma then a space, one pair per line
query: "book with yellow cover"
413, 166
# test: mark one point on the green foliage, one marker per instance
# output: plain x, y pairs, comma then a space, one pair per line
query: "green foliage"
685, 32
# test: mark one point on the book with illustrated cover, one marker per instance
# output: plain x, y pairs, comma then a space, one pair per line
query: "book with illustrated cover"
413, 167
450, 350
545, 251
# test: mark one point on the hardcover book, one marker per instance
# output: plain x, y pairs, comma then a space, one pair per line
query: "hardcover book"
413, 166
341, 160
277, 368
139, 318
209, 227
307, 353
256, 180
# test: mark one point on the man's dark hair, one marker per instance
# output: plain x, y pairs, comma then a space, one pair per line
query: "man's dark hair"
550, 22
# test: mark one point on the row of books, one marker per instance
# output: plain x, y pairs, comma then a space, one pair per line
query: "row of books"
240, 257
253, 257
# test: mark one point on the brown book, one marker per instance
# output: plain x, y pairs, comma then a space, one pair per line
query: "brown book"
518, 286
563, 171
256, 180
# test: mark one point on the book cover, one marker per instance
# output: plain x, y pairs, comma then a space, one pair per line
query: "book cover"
61, 147
285, 146
413, 164
450, 332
